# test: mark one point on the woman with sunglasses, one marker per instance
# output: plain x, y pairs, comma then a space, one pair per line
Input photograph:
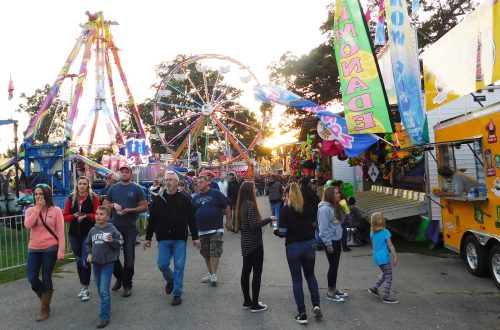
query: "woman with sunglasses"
45, 246
79, 211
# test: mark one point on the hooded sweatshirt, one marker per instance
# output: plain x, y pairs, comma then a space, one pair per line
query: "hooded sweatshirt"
330, 228
104, 252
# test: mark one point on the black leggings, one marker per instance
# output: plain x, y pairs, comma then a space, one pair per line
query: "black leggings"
252, 261
333, 262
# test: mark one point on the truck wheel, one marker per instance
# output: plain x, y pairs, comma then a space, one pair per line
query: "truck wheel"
475, 256
495, 264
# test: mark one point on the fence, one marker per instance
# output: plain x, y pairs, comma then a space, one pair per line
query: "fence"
14, 240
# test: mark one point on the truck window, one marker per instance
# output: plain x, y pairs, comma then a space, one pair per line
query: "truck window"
466, 157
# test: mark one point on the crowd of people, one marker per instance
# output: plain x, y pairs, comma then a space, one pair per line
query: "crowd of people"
101, 226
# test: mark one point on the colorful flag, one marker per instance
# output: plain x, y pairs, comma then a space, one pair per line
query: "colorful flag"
336, 125
363, 95
11, 88
380, 30
406, 70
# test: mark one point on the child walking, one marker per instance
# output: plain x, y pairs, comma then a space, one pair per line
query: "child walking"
103, 244
382, 245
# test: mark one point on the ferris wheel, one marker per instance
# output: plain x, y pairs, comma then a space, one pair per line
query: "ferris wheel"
204, 107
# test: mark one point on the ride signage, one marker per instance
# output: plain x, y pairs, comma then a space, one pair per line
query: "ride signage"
365, 102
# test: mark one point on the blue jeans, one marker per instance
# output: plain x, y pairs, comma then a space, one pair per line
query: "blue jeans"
176, 249
126, 272
102, 279
82, 266
302, 256
45, 260
275, 210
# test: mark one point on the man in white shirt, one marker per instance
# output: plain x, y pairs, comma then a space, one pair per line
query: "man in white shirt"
223, 184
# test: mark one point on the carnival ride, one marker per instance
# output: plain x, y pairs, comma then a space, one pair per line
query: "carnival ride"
51, 163
200, 106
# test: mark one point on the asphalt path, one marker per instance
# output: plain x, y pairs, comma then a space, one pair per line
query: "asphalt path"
434, 293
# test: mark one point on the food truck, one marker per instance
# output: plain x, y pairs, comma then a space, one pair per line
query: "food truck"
471, 219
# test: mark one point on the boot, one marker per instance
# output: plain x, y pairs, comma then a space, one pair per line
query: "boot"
45, 306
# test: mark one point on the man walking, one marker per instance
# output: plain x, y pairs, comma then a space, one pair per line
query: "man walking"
209, 205
233, 189
126, 200
170, 215
275, 194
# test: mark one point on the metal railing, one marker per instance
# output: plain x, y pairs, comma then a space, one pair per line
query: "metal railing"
14, 239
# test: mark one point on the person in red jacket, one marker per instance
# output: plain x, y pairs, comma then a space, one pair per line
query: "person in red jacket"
46, 244
79, 211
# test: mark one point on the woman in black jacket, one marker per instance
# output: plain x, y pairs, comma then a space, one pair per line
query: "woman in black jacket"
250, 222
297, 226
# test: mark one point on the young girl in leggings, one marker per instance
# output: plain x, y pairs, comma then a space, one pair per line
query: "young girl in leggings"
382, 246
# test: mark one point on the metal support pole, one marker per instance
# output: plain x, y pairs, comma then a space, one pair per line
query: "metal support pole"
16, 164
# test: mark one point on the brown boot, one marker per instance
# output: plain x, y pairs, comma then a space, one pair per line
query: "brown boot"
45, 306
117, 286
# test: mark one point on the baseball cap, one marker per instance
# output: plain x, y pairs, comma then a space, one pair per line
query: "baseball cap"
207, 173
125, 166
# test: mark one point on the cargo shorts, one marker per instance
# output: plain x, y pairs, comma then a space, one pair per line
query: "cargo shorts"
211, 245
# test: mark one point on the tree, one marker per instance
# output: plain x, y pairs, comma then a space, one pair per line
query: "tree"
52, 128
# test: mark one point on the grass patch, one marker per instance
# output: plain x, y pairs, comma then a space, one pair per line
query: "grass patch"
425, 248
17, 273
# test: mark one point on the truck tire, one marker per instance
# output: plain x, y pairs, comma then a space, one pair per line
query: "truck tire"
475, 257
495, 264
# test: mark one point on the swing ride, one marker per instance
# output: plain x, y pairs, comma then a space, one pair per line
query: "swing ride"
200, 109
51, 163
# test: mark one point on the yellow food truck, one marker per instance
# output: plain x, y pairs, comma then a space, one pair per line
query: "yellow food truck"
468, 147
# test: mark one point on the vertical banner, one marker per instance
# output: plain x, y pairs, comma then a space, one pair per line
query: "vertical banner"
406, 71
363, 96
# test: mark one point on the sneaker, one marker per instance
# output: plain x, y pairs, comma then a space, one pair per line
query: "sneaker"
85, 295
248, 305
334, 297
213, 279
102, 324
117, 286
169, 287
342, 294
301, 318
373, 291
347, 249
260, 307
176, 301
81, 293
318, 315
390, 300
127, 292
206, 278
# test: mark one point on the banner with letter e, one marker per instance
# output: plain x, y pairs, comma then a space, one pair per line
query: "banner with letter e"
365, 103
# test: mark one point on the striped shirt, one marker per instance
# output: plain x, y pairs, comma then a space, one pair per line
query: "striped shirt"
251, 230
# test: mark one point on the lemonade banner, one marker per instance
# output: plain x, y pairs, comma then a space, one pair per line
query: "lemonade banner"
336, 125
406, 71
365, 103
465, 59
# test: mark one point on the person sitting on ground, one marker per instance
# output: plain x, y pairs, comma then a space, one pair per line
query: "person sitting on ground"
356, 220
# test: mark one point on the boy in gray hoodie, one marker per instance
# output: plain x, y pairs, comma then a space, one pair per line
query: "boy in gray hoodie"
103, 246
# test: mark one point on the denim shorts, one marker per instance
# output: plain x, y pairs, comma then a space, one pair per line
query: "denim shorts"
211, 245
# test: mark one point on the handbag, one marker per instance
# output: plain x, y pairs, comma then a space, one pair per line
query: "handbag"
47, 227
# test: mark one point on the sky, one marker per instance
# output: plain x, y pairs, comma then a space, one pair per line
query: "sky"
39, 35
